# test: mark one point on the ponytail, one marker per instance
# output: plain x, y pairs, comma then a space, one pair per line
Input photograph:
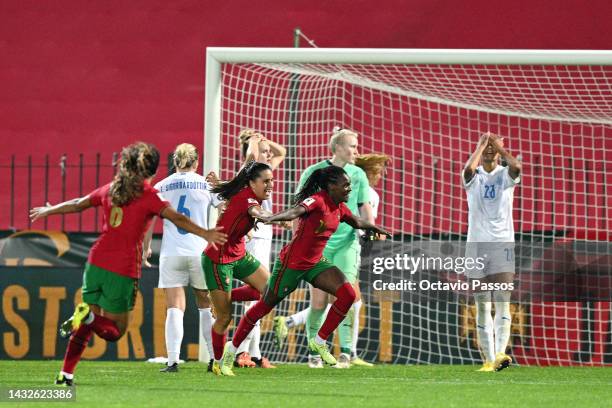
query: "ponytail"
138, 162
320, 179
249, 172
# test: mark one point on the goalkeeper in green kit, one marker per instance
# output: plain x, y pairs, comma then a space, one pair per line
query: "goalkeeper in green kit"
342, 249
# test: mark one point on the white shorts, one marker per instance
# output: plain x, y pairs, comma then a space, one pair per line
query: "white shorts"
178, 271
490, 258
260, 248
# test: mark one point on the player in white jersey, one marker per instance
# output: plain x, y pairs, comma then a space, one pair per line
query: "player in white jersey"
255, 146
180, 261
490, 191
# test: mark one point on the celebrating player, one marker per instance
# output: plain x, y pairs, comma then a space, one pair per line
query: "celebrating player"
342, 250
110, 280
320, 210
255, 146
245, 193
490, 191
180, 262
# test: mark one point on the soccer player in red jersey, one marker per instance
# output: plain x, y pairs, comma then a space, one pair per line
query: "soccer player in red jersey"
110, 280
320, 210
245, 194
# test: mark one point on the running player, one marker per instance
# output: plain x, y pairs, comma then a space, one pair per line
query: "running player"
490, 191
342, 250
374, 166
255, 146
110, 280
244, 194
320, 210
180, 260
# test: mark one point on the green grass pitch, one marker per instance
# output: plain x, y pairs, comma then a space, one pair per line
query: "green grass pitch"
126, 384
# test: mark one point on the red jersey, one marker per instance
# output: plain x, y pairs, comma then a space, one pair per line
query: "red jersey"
236, 222
314, 229
119, 247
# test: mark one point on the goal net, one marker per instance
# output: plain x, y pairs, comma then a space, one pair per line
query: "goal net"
426, 110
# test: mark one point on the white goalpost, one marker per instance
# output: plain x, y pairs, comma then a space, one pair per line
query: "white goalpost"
426, 110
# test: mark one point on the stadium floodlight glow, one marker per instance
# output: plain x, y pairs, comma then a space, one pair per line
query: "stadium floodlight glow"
426, 109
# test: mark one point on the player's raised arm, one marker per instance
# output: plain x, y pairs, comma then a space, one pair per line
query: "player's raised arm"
514, 166
470, 167
71, 206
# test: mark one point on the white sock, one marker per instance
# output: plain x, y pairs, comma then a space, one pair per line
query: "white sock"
298, 319
319, 340
254, 350
69, 376
502, 321
206, 322
89, 320
484, 324
230, 347
174, 334
356, 309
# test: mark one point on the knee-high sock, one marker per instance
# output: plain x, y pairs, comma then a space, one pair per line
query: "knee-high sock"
345, 296
345, 332
218, 341
254, 350
206, 322
356, 310
245, 292
246, 344
105, 328
313, 322
502, 321
298, 318
174, 334
76, 346
484, 324
248, 321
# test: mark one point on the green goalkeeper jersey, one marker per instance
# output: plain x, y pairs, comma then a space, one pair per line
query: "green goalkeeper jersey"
360, 193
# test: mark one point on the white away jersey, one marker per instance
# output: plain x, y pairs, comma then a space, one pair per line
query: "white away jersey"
189, 194
490, 198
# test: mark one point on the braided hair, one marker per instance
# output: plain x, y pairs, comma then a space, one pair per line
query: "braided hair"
138, 162
320, 179
249, 172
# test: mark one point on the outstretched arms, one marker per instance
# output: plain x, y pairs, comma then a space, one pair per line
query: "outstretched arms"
67, 207
212, 236
287, 215
360, 223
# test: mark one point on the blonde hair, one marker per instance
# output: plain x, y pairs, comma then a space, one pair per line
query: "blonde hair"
138, 162
339, 136
185, 156
244, 137
372, 161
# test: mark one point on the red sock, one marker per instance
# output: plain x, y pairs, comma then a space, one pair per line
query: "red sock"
218, 342
105, 328
248, 321
245, 293
345, 296
76, 345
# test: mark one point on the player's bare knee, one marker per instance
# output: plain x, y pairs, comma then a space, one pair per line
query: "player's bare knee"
202, 299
